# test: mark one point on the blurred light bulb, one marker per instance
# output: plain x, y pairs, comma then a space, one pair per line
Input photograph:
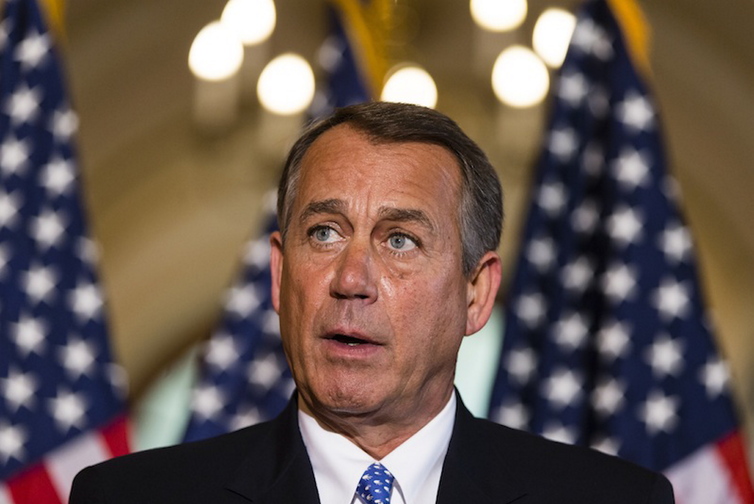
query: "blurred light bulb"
410, 84
519, 78
286, 85
216, 53
252, 20
498, 15
552, 33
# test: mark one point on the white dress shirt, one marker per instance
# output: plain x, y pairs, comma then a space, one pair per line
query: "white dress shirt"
416, 464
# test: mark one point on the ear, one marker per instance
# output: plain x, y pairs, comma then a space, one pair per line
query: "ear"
276, 267
481, 291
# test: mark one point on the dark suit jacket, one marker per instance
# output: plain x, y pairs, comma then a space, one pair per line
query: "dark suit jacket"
268, 464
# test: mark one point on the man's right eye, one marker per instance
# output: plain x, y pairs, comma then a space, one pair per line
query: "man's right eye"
323, 234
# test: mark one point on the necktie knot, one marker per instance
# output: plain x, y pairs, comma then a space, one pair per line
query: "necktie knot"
375, 485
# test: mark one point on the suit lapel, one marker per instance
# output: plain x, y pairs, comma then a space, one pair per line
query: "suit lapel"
474, 469
277, 469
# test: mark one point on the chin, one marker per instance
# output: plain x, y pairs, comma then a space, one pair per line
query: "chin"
346, 399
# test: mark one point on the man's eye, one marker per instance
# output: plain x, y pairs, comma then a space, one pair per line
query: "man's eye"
401, 242
324, 234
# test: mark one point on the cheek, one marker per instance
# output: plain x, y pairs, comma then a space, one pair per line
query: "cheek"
431, 307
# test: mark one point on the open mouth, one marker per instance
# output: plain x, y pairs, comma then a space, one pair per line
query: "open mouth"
349, 340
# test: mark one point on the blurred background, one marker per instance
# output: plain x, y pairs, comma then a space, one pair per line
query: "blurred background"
172, 200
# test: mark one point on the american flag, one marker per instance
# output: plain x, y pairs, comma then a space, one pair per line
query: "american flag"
244, 376
607, 344
60, 399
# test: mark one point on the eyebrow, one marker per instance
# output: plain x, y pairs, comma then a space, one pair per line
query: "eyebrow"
338, 206
407, 215
328, 206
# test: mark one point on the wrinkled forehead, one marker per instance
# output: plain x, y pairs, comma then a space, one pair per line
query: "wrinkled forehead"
344, 149
348, 164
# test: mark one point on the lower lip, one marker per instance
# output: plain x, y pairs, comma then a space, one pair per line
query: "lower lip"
361, 351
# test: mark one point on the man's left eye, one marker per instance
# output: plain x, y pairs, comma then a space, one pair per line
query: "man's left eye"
401, 242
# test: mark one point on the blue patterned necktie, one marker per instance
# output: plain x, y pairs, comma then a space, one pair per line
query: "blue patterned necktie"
375, 485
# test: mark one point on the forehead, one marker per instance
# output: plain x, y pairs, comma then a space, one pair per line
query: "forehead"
346, 159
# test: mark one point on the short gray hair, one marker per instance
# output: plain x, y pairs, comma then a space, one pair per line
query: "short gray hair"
481, 212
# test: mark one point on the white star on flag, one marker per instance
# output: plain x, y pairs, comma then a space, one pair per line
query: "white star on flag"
69, 410
625, 225
12, 441
514, 415
562, 388
613, 340
608, 397
531, 309
33, 50
598, 101
571, 331
555, 431
563, 144
593, 159
632, 168
86, 301
541, 253
585, 217
29, 335
9, 206
552, 198
606, 445
78, 357
271, 322
521, 363
672, 299
58, 176
576, 274
39, 282
258, 254
676, 243
48, 228
243, 300
665, 356
636, 112
221, 352
573, 88
715, 377
65, 123
207, 401
23, 105
659, 412
14, 154
18, 389
246, 417
619, 282
265, 371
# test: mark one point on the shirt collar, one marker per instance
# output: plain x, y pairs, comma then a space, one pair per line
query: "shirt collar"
338, 463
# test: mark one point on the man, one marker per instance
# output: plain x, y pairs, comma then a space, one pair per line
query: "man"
390, 217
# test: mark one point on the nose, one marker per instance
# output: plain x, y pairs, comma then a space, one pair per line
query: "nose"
354, 274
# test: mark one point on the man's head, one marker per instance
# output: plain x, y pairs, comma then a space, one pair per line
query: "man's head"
374, 277
481, 211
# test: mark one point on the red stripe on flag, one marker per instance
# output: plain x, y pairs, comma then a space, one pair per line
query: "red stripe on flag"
732, 452
33, 486
116, 436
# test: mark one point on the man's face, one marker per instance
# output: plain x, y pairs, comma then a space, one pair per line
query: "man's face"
369, 283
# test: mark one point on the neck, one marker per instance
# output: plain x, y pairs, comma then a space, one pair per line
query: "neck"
374, 433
